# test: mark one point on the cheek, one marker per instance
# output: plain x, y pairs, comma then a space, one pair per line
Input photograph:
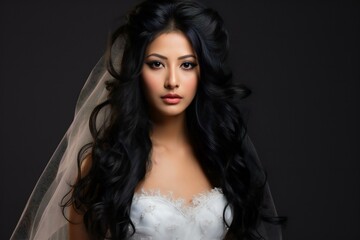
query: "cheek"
150, 81
191, 84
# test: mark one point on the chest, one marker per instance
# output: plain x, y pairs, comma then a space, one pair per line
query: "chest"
178, 172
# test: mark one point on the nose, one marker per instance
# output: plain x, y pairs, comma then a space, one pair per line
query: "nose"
172, 80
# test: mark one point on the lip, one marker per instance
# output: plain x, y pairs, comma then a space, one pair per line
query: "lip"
171, 98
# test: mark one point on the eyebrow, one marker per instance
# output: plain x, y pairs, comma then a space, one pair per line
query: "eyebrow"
163, 57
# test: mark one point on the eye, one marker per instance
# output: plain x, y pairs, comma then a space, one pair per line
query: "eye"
154, 64
188, 65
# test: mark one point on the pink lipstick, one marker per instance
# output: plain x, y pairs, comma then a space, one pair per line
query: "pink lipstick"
171, 98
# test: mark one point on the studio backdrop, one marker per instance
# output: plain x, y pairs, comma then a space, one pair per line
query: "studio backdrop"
299, 58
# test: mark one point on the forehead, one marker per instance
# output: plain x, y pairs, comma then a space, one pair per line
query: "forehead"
171, 43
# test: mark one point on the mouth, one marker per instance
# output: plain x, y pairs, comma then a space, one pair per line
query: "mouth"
171, 98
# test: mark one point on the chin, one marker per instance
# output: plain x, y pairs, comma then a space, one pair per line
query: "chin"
170, 111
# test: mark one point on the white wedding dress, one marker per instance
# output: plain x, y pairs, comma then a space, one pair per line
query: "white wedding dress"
158, 216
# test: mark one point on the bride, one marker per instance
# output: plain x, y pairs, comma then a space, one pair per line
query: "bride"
167, 155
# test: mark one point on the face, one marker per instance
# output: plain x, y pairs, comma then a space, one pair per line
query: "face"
170, 74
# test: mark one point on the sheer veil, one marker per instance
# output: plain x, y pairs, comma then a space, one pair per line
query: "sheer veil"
42, 217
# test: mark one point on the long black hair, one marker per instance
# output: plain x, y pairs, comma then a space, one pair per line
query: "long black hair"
121, 147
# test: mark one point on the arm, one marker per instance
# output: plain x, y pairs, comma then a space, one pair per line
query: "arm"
77, 230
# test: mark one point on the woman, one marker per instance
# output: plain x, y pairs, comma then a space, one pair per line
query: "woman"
168, 156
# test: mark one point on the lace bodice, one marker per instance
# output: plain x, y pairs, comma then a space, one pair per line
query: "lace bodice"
158, 216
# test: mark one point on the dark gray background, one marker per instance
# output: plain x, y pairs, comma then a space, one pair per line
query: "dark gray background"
300, 58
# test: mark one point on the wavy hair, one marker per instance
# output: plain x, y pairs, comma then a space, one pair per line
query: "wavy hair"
120, 149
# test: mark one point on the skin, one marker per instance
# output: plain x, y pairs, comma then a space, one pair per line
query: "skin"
170, 66
174, 166
78, 231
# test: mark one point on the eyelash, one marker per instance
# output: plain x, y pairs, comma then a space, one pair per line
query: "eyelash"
151, 65
192, 65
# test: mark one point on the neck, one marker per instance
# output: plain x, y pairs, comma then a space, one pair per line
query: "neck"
169, 131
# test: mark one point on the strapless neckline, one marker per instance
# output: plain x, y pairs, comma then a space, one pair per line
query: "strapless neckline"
197, 201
